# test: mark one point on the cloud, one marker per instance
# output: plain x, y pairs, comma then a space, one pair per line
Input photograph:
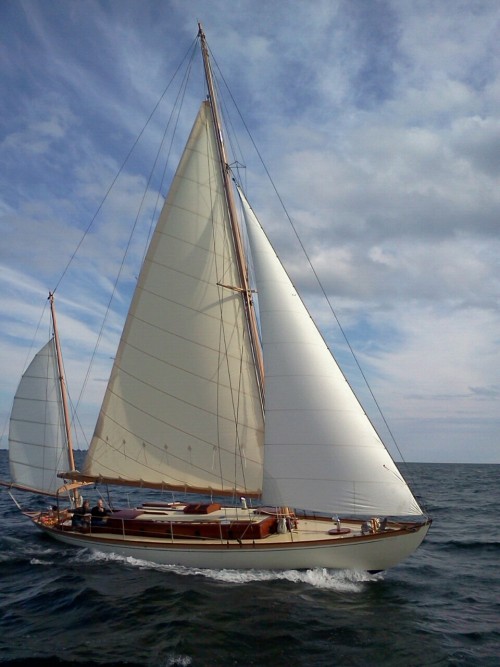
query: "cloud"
379, 124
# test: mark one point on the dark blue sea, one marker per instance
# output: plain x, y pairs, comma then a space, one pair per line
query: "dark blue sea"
65, 606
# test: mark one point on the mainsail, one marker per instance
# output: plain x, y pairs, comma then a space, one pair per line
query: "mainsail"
182, 408
321, 451
38, 446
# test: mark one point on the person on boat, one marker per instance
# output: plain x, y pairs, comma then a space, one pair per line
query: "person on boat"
99, 513
81, 515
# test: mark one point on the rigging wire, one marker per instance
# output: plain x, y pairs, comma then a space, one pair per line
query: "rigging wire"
189, 57
258, 153
178, 104
309, 261
124, 162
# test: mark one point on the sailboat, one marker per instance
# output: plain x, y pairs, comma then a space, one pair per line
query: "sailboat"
243, 416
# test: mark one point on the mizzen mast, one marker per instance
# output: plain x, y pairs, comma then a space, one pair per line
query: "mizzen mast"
233, 217
62, 383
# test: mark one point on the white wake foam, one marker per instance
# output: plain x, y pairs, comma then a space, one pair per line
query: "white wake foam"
337, 580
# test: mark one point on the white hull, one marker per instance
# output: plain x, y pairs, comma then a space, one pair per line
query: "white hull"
369, 552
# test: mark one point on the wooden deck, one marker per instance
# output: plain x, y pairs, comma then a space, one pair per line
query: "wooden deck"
211, 523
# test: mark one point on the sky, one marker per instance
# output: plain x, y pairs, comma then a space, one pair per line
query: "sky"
379, 122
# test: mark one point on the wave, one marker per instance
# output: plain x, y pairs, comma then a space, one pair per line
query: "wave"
14, 551
171, 661
54, 661
471, 545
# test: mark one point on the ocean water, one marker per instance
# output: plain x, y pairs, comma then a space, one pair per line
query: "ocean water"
65, 606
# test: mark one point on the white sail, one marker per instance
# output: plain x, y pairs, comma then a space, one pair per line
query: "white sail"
182, 407
37, 438
321, 451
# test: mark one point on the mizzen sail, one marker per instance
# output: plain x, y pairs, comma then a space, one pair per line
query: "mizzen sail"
38, 446
321, 451
182, 408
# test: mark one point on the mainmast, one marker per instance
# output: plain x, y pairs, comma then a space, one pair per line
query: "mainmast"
62, 383
233, 217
